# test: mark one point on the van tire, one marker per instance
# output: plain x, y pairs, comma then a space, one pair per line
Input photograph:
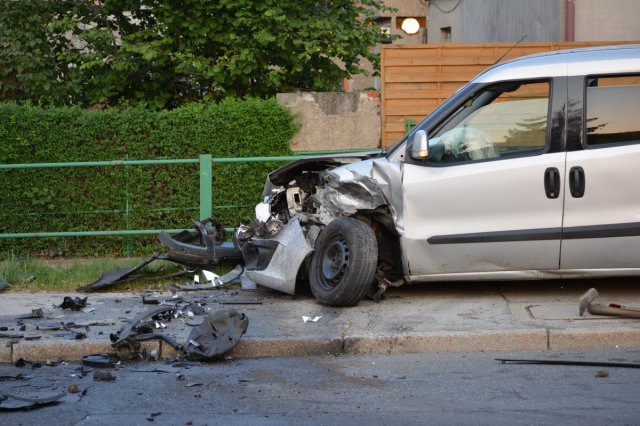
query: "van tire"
344, 263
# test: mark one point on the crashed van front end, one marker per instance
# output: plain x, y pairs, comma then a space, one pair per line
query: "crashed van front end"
300, 201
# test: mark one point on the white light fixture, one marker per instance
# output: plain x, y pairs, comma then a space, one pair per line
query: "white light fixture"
410, 26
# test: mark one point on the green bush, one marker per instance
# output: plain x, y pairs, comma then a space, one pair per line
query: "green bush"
130, 197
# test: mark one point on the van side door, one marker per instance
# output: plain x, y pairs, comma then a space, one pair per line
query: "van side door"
601, 227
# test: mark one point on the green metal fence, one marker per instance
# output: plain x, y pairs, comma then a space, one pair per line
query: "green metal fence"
205, 162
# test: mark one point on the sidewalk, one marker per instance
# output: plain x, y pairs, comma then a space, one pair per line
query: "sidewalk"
437, 317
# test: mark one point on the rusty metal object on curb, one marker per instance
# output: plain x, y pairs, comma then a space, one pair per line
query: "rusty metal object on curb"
587, 302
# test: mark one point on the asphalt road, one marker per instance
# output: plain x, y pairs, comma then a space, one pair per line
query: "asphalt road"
452, 388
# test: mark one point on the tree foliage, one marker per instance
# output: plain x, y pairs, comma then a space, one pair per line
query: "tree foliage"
162, 53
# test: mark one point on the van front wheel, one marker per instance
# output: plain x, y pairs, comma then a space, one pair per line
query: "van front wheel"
344, 262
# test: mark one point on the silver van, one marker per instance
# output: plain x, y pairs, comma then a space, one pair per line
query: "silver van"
530, 171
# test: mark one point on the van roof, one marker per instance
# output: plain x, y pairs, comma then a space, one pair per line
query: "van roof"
580, 61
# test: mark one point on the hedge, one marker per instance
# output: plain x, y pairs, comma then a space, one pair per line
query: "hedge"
156, 196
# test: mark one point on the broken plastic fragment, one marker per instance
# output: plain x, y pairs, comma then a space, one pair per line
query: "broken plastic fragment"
15, 402
217, 335
307, 319
211, 277
75, 303
103, 376
227, 278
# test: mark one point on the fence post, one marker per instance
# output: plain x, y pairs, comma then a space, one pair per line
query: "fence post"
205, 186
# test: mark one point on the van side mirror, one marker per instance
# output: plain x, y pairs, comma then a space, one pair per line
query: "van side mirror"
419, 146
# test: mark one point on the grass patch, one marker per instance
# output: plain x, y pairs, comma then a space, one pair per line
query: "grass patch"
39, 275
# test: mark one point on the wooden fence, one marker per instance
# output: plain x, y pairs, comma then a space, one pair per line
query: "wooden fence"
417, 78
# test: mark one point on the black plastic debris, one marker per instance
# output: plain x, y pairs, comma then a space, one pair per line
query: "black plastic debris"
120, 275
203, 246
126, 342
15, 377
21, 362
10, 402
217, 335
11, 336
75, 303
98, 361
152, 416
104, 376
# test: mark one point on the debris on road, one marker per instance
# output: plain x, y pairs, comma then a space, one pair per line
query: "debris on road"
75, 304
35, 314
126, 342
227, 278
587, 302
199, 248
104, 376
569, 362
218, 334
10, 402
307, 319
98, 361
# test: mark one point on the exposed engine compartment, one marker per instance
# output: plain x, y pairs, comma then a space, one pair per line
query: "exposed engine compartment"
298, 202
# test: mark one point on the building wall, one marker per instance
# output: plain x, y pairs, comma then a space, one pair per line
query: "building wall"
489, 21
597, 20
334, 121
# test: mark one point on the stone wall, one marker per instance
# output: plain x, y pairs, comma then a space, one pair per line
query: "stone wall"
334, 121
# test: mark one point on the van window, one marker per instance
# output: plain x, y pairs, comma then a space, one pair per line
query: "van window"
612, 110
501, 121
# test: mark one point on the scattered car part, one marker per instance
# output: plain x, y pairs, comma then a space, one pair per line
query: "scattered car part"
240, 302
569, 362
344, 263
152, 336
75, 303
103, 376
227, 278
125, 341
10, 402
118, 276
586, 302
217, 335
16, 377
203, 246
98, 361
11, 336
35, 314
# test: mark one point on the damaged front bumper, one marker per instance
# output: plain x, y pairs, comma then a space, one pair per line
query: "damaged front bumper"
274, 262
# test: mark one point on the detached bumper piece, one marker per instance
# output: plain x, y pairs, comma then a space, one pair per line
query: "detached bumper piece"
203, 246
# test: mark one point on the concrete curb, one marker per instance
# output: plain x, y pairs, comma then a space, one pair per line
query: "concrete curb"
595, 339
455, 341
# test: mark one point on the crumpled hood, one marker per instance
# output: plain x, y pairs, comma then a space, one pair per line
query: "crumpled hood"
289, 171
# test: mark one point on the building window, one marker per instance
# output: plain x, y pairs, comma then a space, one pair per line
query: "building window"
445, 35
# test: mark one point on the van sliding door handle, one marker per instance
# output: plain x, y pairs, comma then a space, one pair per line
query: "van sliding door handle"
552, 182
576, 182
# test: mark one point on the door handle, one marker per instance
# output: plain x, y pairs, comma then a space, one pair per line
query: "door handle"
552, 182
576, 182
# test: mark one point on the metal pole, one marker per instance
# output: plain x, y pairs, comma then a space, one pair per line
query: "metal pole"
205, 186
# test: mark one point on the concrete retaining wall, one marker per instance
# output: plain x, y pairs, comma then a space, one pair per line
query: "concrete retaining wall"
333, 121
